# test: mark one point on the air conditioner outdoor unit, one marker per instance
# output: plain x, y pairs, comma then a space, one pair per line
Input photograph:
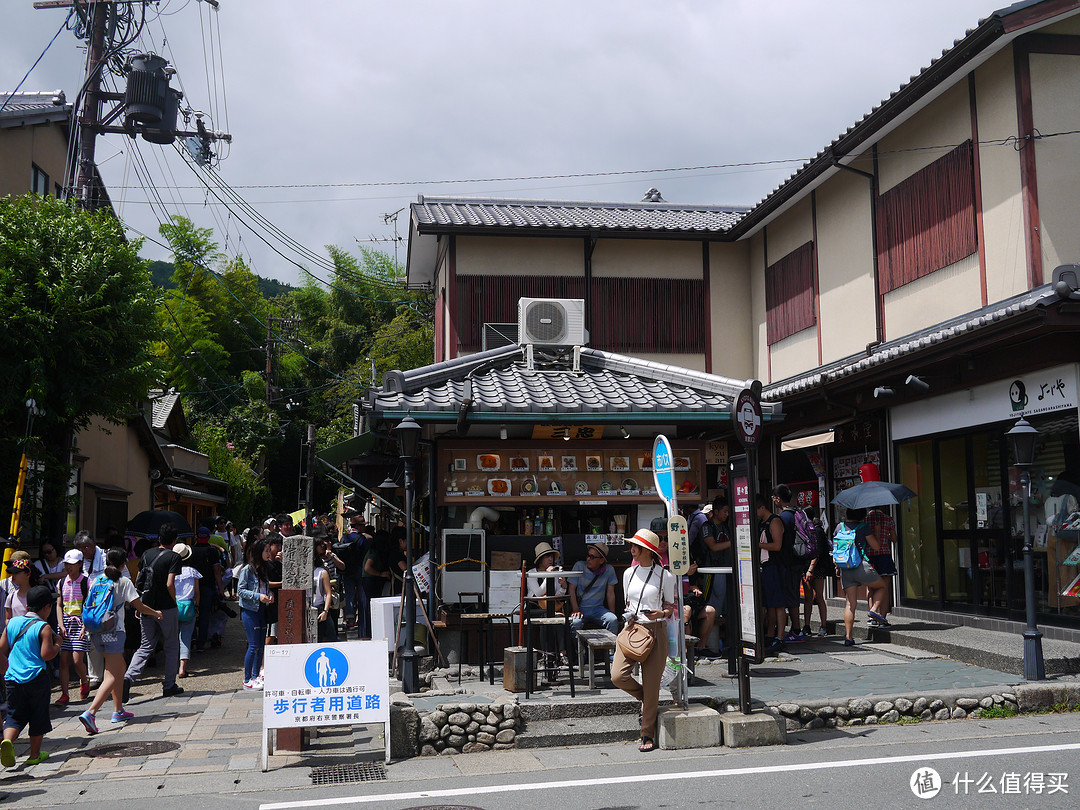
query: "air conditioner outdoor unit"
552, 321
497, 335
463, 553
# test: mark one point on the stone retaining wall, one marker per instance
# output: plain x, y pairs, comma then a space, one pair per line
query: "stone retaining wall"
955, 705
453, 728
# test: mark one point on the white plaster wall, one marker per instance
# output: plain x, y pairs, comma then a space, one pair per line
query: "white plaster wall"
944, 123
1055, 104
999, 163
519, 256
757, 308
792, 229
937, 297
647, 258
794, 354
845, 266
732, 326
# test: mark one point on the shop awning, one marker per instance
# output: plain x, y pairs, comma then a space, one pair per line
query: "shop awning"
337, 454
194, 495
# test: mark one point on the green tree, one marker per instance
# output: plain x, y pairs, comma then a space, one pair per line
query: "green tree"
78, 322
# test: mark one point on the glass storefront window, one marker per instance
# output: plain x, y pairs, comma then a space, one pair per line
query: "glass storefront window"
1055, 501
918, 523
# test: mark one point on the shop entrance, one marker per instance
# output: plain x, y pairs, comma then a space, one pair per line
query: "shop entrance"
956, 551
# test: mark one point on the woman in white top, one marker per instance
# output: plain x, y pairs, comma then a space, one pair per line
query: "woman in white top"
187, 603
546, 560
650, 601
320, 594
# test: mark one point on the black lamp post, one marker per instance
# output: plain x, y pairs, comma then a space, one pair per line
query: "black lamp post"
408, 436
1023, 437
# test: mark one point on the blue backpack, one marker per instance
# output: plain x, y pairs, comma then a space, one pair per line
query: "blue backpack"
845, 551
98, 613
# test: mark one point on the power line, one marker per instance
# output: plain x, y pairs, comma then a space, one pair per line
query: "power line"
41, 56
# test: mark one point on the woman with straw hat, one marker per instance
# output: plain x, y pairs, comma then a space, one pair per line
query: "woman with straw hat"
650, 601
546, 558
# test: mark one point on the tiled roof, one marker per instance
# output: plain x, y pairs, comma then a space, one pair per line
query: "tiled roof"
163, 403
433, 214
20, 109
606, 384
961, 326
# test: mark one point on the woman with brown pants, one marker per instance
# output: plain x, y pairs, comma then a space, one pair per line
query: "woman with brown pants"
650, 601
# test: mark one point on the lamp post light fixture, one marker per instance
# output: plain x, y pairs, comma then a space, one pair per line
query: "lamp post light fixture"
1023, 437
408, 436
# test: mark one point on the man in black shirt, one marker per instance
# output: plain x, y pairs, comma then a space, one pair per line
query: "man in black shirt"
206, 559
165, 565
790, 567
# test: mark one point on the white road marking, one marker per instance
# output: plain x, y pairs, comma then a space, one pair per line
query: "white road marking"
667, 777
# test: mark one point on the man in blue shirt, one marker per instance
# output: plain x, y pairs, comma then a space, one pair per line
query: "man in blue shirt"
25, 645
592, 595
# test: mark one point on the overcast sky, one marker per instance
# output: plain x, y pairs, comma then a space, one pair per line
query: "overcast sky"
350, 92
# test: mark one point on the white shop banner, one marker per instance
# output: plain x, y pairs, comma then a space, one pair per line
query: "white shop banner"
1026, 395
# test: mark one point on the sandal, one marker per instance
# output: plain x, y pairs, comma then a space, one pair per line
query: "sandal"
647, 745
63, 700
84, 690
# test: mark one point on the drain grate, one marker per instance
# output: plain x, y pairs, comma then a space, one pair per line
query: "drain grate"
132, 749
348, 774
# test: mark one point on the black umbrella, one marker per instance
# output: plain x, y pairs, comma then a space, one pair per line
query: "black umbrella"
872, 493
148, 524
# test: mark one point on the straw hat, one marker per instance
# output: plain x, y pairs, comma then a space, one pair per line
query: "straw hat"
601, 548
542, 549
646, 539
183, 549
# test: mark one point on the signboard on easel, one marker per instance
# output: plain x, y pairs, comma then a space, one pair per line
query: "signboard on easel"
312, 685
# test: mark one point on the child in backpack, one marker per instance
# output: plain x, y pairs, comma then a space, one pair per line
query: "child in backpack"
110, 643
74, 645
25, 645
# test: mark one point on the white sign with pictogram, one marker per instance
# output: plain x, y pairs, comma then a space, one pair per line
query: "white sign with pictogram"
311, 685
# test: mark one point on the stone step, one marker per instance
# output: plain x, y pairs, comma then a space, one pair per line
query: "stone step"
545, 710
580, 731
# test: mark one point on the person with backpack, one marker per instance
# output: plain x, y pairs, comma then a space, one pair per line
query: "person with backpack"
25, 645
818, 572
851, 545
73, 642
770, 542
158, 569
187, 605
791, 565
103, 619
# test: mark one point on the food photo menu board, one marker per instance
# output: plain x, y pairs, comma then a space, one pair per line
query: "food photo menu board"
550, 472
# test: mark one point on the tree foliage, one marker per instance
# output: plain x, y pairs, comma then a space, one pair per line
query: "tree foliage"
78, 323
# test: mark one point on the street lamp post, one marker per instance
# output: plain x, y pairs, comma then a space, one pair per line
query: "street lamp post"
408, 436
1023, 437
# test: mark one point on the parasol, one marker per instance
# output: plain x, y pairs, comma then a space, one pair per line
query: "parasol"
873, 493
148, 524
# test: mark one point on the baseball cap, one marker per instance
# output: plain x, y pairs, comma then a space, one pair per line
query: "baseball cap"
73, 556
18, 565
38, 597
202, 532
658, 525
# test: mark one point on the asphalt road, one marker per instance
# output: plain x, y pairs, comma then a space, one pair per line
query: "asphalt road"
1027, 762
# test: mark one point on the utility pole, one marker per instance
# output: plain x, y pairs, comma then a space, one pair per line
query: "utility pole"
91, 106
269, 361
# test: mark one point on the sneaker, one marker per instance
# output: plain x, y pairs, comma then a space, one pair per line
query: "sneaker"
122, 717
849, 642
41, 757
127, 690
249, 684
822, 632
790, 637
7, 754
257, 682
172, 691
89, 722
84, 690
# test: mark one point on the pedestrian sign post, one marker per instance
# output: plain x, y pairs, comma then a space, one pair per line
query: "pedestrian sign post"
311, 685
746, 417
678, 546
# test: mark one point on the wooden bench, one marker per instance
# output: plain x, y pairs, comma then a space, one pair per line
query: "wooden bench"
594, 641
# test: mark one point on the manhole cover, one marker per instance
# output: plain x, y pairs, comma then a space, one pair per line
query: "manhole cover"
347, 774
132, 749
